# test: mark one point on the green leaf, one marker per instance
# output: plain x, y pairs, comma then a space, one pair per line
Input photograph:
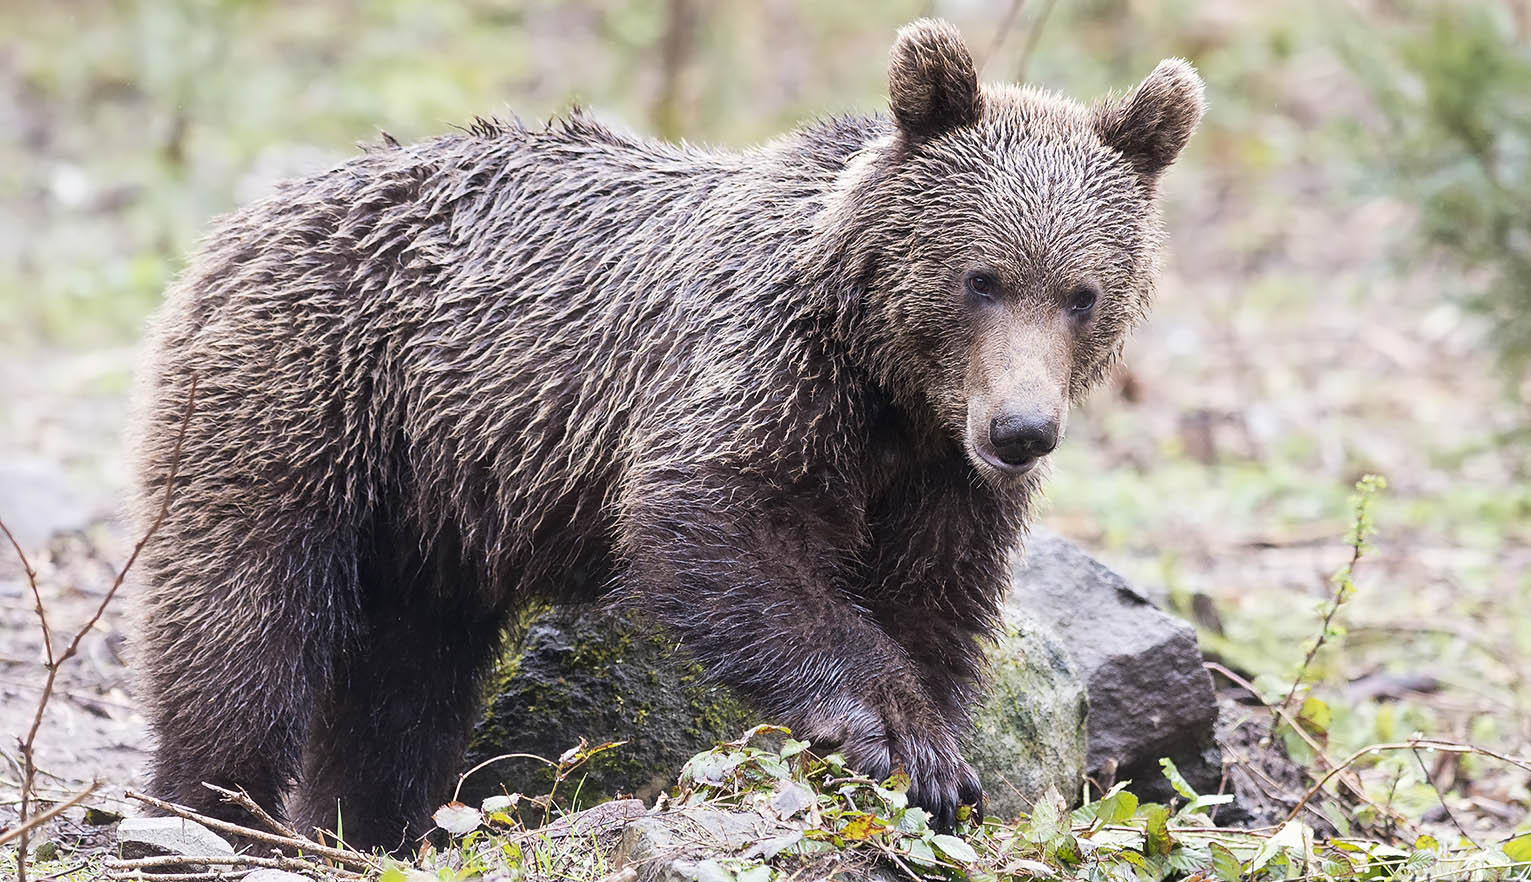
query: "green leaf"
1315, 716
711, 870
1065, 849
914, 821
793, 747
773, 766
1518, 849
500, 803
1156, 830
896, 799
757, 873
920, 852
1225, 865
1117, 807
1290, 836
1208, 801
1183, 859
762, 729
766, 849
954, 848
458, 819
1177, 780
1337, 817
1047, 817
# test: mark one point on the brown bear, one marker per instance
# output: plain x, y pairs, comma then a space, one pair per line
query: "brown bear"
789, 402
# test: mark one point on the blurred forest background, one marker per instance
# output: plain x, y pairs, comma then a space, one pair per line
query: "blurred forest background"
1349, 288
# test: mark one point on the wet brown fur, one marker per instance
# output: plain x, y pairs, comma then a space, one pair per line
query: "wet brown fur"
733, 390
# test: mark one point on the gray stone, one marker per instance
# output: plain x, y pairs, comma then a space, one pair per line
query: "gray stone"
607, 817
268, 874
602, 678
682, 846
151, 837
1150, 696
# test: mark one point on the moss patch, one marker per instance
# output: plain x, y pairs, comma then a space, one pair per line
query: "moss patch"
601, 677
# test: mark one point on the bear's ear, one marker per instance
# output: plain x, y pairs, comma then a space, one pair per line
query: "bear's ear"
1152, 123
932, 85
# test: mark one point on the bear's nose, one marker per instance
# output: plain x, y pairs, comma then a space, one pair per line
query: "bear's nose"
1019, 439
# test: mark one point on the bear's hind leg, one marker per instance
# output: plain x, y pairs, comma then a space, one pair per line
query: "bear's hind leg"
388, 739
234, 656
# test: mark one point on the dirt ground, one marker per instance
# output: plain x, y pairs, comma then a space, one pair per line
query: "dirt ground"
61, 476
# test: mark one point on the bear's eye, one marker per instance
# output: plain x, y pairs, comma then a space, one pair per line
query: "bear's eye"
1081, 300
982, 284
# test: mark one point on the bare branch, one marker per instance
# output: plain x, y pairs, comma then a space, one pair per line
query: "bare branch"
349, 858
37, 599
50, 814
1411, 745
123, 868
28, 744
243, 800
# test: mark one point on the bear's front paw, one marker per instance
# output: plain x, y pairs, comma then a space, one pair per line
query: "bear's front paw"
940, 780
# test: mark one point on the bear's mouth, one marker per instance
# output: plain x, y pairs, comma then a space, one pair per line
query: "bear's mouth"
1007, 469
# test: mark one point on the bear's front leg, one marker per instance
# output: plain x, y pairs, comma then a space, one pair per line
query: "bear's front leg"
937, 570
752, 583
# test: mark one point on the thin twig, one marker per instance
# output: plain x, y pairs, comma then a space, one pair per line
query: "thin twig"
1032, 39
1423, 770
1354, 786
67, 871
1330, 612
37, 599
28, 744
1411, 744
243, 800
1344, 579
209, 876
274, 862
349, 858
491, 761
50, 814
1002, 33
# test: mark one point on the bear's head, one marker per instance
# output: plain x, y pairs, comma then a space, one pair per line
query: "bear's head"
996, 247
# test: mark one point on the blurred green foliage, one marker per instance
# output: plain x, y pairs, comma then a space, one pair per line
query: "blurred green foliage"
129, 124
1452, 83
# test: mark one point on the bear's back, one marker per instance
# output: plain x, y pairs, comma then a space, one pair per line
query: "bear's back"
476, 308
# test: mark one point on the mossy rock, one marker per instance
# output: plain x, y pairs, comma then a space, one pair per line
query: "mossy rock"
1030, 733
603, 677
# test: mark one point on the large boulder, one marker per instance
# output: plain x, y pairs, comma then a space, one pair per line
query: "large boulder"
1072, 628
601, 677
1150, 695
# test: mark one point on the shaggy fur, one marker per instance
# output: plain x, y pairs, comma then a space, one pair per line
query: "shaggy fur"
747, 393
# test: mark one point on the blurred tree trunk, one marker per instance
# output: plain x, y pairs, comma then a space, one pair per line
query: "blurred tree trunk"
1521, 9
675, 52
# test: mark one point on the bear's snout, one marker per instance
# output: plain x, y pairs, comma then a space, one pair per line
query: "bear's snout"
1020, 438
